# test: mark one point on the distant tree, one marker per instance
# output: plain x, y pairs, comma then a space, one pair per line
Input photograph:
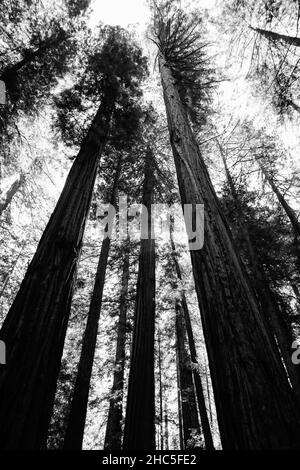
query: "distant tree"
190, 420
247, 224
139, 433
113, 436
275, 64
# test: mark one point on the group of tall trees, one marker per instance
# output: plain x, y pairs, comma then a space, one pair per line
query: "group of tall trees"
198, 347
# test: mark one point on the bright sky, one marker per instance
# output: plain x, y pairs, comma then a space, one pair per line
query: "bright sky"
125, 12
121, 12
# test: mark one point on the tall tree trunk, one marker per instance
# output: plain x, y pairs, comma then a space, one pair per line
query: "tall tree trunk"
291, 40
287, 208
35, 327
140, 413
180, 427
190, 420
291, 214
113, 436
75, 430
12, 191
209, 445
276, 324
160, 394
255, 403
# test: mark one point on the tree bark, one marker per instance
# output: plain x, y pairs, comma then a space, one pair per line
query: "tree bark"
75, 430
275, 322
190, 421
160, 395
140, 413
209, 445
180, 427
291, 40
113, 436
255, 404
35, 327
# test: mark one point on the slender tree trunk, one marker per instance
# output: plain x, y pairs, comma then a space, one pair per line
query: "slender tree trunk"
160, 395
208, 396
291, 214
209, 445
75, 430
291, 40
166, 421
10, 194
35, 327
140, 413
294, 105
113, 436
180, 427
255, 403
269, 306
190, 421
287, 208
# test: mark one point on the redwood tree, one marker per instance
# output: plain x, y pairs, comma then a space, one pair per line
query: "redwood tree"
139, 433
35, 327
255, 404
190, 420
187, 325
113, 435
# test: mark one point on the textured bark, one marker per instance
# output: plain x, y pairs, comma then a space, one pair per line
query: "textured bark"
291, 40
139, 431
35, 327
209, 445
255, 404
190, 420
10, 194
276, 324
113, 436
76, 423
